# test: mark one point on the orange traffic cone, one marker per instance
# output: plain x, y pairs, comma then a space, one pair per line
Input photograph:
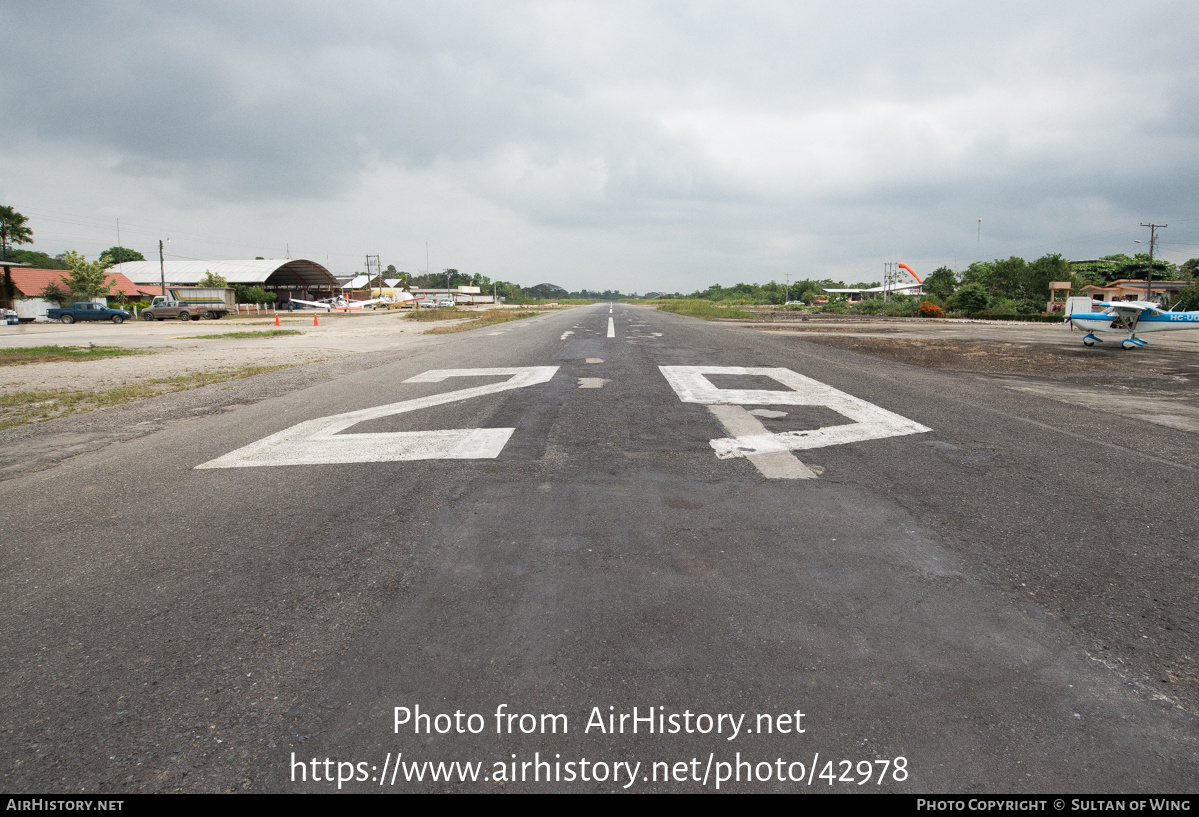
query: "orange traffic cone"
315, 322
276, 319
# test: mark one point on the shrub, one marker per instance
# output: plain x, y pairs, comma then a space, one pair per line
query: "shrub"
1001, 306
970, 298
928, 309
1189, 298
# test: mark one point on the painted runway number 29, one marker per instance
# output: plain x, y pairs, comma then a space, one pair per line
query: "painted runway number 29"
772, 453
321, 441
324, 441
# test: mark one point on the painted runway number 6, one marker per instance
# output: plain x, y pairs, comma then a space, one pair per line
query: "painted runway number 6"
320, 441
771, 453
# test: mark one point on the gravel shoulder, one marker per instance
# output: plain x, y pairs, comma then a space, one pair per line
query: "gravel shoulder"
54, 411
176, 349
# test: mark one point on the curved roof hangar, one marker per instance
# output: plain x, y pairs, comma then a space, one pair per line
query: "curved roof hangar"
295, 272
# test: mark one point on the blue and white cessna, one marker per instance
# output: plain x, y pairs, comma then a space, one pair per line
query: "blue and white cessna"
1132, 318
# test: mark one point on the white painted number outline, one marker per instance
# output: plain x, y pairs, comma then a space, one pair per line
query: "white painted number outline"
771, 453
319, 441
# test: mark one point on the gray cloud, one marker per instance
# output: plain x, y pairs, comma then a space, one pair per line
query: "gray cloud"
745, 141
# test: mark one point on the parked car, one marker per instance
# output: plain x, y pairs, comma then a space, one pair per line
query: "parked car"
162, 309
445, 302
88, 311
186, 303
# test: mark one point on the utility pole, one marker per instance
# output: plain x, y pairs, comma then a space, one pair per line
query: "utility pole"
978, 241
372, 261
162, 268
1153, 228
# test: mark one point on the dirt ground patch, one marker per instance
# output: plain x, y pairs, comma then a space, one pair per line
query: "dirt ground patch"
151, 358
978, 356
991, 347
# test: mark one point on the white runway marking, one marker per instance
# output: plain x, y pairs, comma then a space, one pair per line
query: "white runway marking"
566, 334
611, 328
774, 415
750, 438
773, 464
592, 382
595, 360
318, 441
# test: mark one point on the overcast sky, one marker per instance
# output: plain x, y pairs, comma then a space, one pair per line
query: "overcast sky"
634, 146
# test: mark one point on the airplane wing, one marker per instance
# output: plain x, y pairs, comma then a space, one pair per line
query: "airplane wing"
1129, 313
1131, 308
316, 304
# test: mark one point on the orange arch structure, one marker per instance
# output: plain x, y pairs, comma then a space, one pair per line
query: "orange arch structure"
910, 272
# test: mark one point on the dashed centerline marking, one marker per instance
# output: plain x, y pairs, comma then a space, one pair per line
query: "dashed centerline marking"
611, 328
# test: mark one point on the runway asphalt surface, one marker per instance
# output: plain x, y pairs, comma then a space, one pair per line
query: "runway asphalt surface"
961, 587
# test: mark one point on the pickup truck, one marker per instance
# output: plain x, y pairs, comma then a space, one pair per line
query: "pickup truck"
186, 303
88, 311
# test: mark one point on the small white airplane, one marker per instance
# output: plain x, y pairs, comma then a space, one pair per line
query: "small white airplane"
1133, 318
340, 302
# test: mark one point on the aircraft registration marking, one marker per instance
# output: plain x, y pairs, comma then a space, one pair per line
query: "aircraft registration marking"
318, 442
750, 439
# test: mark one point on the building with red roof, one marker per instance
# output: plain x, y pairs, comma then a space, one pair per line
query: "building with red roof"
29, 284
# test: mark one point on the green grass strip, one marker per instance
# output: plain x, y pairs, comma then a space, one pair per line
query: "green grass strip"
489, 318
53, 354
696, 308
270, 333
32, 406
437, 314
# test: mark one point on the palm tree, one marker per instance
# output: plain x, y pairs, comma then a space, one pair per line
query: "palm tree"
12, 231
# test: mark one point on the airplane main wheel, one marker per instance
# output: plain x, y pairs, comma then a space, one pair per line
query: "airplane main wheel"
1088, 342
1127, 344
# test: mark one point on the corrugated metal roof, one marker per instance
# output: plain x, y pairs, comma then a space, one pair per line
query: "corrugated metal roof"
189, 273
